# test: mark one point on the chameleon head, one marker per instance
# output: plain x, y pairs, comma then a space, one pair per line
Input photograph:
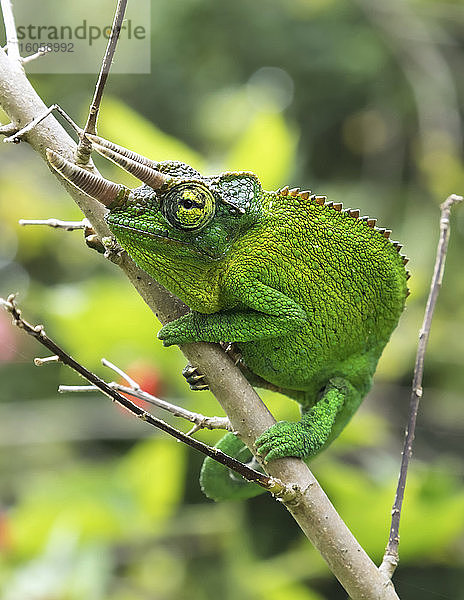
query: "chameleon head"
178, 218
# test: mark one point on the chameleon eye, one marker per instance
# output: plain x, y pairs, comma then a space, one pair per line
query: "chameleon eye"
188, 205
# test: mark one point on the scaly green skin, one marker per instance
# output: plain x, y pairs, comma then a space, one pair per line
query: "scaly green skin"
310, 293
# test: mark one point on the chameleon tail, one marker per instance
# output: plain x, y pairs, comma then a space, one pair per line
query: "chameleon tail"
220, 483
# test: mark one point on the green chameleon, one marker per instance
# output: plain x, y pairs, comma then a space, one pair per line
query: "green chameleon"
309, 293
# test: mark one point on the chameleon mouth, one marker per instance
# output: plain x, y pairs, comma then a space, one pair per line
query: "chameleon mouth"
163, 237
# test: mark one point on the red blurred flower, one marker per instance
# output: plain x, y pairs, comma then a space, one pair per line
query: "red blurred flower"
147, 377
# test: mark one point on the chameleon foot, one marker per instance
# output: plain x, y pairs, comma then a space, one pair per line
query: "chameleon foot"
284, 439
194, 378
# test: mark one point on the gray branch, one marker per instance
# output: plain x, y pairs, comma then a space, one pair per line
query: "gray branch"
10, 30
391, 556
313, 511
56, 223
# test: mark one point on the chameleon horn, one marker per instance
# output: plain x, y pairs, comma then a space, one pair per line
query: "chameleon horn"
124, 158
106, 192
143, 160
140, 166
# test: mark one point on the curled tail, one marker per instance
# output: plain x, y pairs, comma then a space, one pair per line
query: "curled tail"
220, 483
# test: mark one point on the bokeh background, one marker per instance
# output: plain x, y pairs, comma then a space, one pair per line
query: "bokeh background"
357, 99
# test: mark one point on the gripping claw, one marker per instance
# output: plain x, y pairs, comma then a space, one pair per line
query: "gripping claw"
194, 378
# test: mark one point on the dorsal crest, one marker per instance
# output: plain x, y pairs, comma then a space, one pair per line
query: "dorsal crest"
353, 213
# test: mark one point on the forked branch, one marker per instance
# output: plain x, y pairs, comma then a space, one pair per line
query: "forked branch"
134, 389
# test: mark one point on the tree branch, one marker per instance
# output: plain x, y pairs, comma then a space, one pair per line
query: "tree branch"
270, 484
248, 415
200, 421
56, 223
10, 31
391, 557
84, 147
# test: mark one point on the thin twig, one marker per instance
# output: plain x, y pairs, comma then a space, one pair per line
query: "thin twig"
64, 389
10, 30
391, 557
84, 147
199, 420
27, 59
39, 362
56, 223
18, 134
270, 484
132, 383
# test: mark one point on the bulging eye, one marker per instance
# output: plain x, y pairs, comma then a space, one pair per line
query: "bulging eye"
188, 205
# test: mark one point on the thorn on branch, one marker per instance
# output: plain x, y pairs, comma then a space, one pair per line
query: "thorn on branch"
193, 430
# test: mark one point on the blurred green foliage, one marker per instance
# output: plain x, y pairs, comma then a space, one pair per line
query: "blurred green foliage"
357, 100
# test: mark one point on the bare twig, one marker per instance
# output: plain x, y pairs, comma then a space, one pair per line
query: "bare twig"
16, 135
391, 557
200, 421
84, 147
57, 224
132, 383
39, 362
10, 30
270, 484
42, 52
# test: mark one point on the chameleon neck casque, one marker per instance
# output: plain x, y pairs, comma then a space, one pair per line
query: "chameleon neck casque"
309, 293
